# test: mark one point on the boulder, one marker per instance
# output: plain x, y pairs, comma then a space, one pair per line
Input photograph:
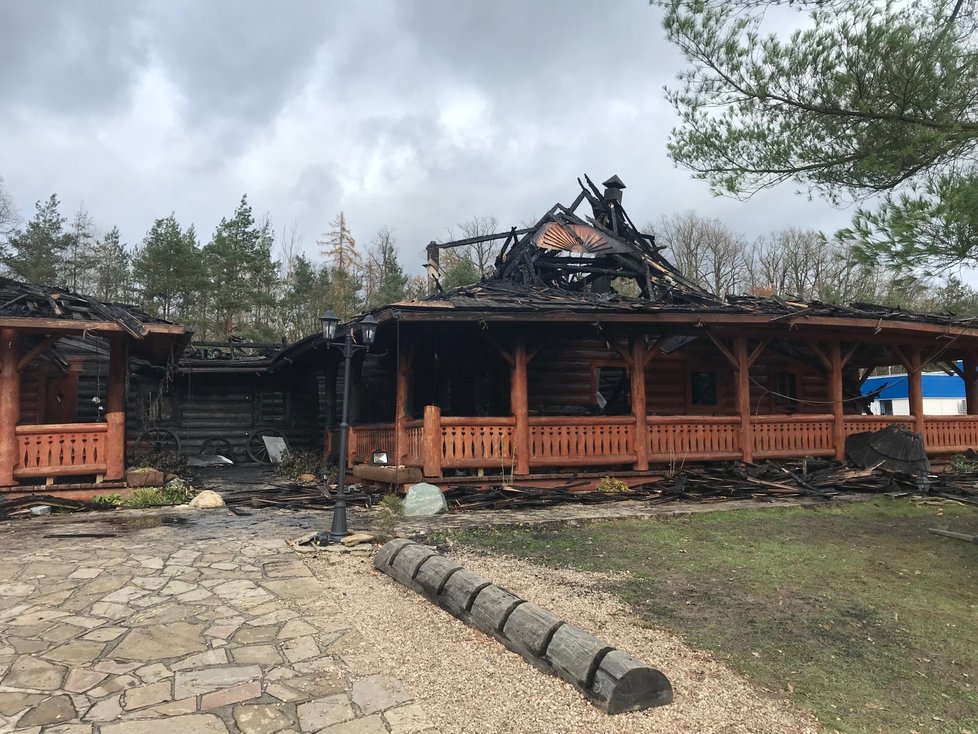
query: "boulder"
207, 500
306, 478
424, 499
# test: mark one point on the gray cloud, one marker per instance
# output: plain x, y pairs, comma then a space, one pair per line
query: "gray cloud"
416, 114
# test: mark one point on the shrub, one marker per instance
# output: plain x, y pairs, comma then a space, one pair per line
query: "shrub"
107, 500
144, 497
612, 486
389, 511
295, 463
961, 464
167, 462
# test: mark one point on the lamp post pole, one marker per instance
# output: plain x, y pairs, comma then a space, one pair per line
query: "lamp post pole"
367, 329
338, 530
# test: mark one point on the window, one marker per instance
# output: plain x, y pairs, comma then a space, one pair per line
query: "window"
612, 391
704, 388
786, 389
886, 407
159, 406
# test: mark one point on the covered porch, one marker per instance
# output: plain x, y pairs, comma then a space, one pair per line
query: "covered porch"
63, 376
697, 387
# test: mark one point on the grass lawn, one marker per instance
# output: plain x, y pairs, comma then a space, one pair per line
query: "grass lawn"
854, 611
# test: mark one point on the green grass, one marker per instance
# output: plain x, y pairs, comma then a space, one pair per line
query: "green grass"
854, 611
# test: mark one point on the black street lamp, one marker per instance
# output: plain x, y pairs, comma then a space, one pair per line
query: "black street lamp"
367, 331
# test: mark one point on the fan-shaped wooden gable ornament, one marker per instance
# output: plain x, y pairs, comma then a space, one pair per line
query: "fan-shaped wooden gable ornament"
576, 238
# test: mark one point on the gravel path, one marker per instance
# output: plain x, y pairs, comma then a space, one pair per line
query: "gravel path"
468, 682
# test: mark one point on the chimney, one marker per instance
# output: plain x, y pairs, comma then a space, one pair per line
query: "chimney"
612, 189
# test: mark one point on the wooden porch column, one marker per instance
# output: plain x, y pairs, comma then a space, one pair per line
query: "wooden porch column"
401, 416
115, 410
915, 389
9, 404
742, 397
432, 441
519, 405
835, 398
970, 365
639, 409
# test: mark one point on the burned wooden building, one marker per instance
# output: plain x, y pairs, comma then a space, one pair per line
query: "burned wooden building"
587, 350
64, 365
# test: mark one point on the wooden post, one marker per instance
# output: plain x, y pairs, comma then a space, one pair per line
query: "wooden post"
915, 389
835, 397
9, 404
520, 408
970, 365
638, 404
115, 410
433, 267
401, 407
742, 397
432, 441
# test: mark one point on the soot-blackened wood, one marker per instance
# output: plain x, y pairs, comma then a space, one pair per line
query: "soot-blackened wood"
460, 591
434, 574
576, 654
610, 679
492, 607
405, 565
622, 683
530, 628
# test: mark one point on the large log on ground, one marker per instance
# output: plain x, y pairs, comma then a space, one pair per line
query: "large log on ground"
609, 678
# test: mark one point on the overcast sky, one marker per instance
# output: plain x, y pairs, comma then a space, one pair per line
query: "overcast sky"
415, 114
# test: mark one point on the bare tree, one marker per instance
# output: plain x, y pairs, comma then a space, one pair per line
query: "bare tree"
704, 250
481, 254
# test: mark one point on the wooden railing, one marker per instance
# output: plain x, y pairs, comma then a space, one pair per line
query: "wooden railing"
588, 441
950, 434
861, 423
477, 443
413, 452
781, 436
488, 443
61, 449
365, 439
682, 437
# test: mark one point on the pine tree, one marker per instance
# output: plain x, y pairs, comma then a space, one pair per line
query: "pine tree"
37, 252
344, 268
169, 270
112, 273
386, 280
79, 263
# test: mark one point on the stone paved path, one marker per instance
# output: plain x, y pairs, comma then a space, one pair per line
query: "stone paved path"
211, 627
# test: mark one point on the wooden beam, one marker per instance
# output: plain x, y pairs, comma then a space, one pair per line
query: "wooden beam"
743, 398
623, 352
507, 357
757, 352
519, 405
405, 358
835, 398
915, 389
731, 357
902, 356
850, 352
9, 404
431, 451
639, 410
970, 378
115, 409
822, 356
37, 350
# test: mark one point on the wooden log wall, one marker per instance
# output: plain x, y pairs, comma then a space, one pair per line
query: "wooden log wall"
211, 406
611, 679
561, 380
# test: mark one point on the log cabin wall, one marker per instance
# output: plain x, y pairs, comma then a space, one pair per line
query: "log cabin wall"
211, 406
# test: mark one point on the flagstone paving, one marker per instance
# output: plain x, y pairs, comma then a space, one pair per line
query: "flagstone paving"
212, 626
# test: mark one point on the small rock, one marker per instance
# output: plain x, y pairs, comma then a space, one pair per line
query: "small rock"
41, 510
424, 499
207, 500
310, 478
358, 539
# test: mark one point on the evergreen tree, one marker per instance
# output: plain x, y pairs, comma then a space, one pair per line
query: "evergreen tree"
344, 265
8, 220
862, 98
302, 300
386, 280
112, 274
37, 252
79, 263
230, 258
169, 270
458, 269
